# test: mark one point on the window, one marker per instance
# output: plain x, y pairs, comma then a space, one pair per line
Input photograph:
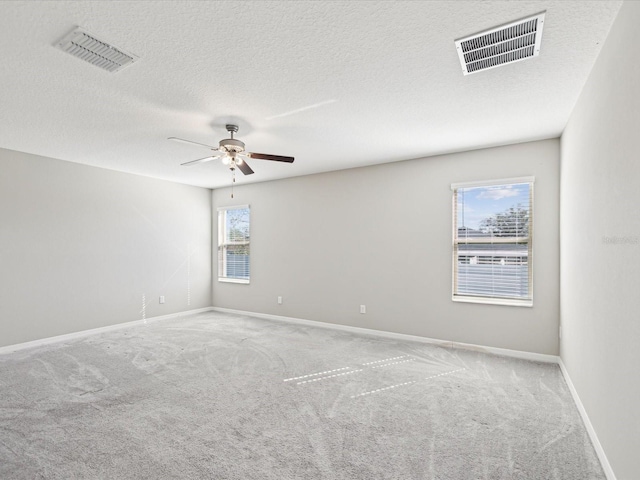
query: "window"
492, 240
233, 244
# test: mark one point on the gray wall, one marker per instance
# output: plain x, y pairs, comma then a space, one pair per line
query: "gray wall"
80, 245
601, 246
381, 236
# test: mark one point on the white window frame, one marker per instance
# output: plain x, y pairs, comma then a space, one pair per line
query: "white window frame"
493, 300
222, 244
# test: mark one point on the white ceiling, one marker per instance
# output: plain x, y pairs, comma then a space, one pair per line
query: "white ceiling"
337, 84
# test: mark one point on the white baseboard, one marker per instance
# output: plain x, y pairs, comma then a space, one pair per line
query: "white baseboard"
93, 331
604, 461
537, 357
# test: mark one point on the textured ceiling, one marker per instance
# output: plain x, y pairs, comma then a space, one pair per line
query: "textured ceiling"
337, 84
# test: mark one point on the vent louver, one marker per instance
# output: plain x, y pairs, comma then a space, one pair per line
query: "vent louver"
502, 45
87, 47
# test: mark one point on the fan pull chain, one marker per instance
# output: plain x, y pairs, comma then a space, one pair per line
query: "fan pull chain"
233, 180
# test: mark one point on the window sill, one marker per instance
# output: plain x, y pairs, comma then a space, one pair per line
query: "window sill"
493, 301
233, 280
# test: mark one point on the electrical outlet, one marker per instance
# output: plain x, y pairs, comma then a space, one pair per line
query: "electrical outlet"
279, 300
363, 309
161, 298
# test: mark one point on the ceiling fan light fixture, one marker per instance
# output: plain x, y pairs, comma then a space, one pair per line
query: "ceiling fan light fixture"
232, 153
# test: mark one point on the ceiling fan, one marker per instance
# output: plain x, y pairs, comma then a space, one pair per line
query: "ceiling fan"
232, 152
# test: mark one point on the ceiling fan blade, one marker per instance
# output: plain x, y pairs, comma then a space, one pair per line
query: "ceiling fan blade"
244, 168
265, 156
182, 140
200, 160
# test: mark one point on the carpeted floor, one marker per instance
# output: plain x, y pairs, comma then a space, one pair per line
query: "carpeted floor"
221, 396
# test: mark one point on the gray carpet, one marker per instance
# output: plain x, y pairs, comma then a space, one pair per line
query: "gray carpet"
231, 397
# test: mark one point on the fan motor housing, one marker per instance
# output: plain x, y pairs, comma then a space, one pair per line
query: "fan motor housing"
231, 145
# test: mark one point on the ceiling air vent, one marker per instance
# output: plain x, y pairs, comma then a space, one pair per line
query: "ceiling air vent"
87, 47
499, 46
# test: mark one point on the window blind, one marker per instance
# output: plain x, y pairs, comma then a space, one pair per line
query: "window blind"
492, 242
234, 244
